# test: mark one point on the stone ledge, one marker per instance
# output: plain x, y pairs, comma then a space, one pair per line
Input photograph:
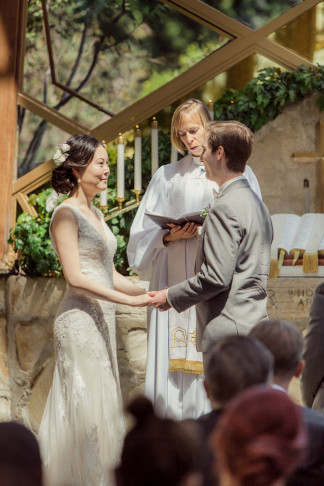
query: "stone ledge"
27, 311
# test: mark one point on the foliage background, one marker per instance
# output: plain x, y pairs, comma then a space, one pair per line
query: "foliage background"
260, 101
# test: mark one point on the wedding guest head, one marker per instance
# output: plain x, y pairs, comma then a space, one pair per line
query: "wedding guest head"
72, 158
233, 364
188, 126
236, 140
157, 451
285, 343
260, 439
20, 461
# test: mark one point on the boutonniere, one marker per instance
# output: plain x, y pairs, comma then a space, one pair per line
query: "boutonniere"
205, 211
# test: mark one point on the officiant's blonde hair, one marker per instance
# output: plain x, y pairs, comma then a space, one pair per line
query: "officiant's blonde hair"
189, 107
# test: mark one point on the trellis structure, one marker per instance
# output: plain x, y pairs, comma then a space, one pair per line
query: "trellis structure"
243, 42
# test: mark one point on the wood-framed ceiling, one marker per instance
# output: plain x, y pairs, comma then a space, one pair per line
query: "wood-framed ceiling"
244, 41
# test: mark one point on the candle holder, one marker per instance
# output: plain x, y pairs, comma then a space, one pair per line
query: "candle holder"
137, 193
120, 201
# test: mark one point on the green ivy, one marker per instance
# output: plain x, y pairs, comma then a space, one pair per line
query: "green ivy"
260, 101
30, 239
265, 96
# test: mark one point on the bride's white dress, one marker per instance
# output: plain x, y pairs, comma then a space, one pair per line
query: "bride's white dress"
82, 429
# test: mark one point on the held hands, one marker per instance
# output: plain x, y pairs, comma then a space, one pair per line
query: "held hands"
188, 230
159, 300
140, 300
153, 298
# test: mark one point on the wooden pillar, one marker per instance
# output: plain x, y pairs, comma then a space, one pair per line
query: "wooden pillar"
10, 37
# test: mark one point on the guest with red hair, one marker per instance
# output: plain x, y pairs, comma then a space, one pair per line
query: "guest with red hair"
260, 439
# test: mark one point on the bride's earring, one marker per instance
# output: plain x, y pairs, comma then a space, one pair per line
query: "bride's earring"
79, 180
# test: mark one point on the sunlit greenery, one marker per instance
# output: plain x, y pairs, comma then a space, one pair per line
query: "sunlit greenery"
261, 100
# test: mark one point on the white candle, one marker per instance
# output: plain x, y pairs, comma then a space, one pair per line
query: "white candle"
154, 146
120, 167
138, 160
211, 109
103, 194
174, 154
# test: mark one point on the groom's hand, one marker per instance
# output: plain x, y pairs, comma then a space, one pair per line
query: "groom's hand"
159, 300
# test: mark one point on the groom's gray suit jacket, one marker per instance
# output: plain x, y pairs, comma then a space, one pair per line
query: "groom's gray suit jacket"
233, 261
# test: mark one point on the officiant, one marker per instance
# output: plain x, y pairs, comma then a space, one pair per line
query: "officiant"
165, 257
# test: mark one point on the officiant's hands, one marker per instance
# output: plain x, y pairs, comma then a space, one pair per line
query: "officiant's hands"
188, 230
159, 300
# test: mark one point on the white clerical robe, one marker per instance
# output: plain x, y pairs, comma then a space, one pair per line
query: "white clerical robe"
175, 189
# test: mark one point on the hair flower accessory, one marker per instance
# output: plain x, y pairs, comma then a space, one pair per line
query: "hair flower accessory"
61, 154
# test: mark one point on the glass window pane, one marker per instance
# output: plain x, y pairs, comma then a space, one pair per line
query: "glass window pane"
118, 56
254, 14
37, 141
304, 35
234, 78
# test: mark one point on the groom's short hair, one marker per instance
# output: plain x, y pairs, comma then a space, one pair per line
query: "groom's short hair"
235, 363
236, 139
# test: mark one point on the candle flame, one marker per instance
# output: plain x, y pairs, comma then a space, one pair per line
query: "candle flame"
137, 126
154, 118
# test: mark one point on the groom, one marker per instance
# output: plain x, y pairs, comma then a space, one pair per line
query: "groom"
233, 253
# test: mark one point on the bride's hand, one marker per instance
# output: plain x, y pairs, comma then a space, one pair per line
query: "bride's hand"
139, 300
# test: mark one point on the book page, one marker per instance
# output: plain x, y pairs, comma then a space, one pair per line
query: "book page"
303, 232
289, 232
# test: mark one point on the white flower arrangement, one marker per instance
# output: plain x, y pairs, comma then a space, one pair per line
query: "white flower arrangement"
53, 200
61, 154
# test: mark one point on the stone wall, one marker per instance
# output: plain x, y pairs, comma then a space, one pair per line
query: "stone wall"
27, 310
280, 178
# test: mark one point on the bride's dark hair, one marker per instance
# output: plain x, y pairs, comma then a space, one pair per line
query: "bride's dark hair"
156, 451
80, 154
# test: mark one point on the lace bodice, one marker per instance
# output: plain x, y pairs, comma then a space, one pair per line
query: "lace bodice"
96, 253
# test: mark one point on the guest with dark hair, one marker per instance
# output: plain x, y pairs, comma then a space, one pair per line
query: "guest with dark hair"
285, 342
20, 461
157, 452
235, 363
260, 439
312, 379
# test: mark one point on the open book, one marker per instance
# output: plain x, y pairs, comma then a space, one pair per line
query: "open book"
297, 236
163, 221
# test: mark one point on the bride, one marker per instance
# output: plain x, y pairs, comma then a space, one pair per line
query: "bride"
82, 428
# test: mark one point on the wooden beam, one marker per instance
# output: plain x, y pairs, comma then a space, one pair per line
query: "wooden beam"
10, 22
247, 42
49, 114
33, 179
210, 17
22, 40
22, 199
214, 64
291, 14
